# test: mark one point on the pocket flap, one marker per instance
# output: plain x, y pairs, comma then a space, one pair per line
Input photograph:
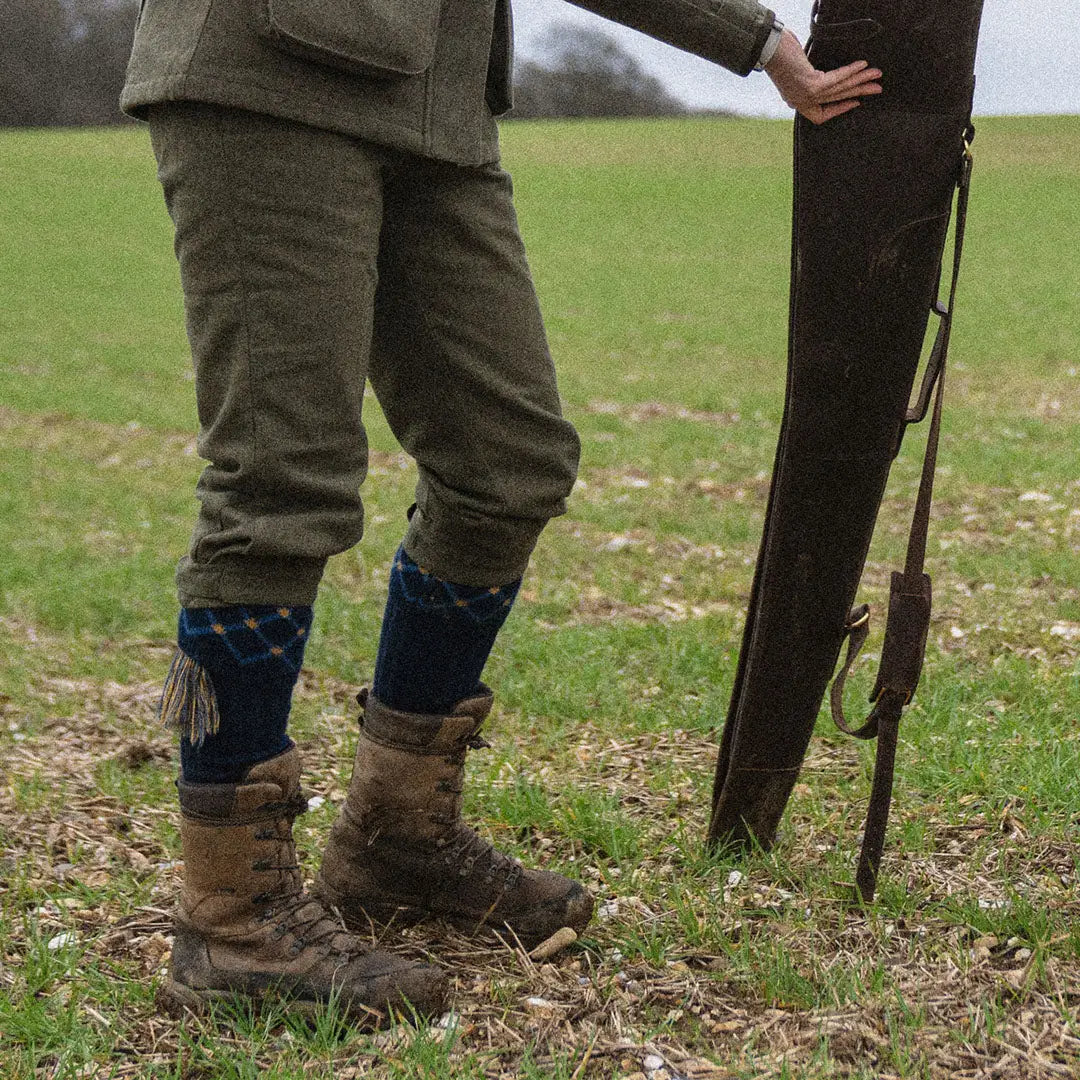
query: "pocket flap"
375, 37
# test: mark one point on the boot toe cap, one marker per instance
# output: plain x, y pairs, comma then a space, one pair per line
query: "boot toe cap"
549, 903
391, 985
579, 907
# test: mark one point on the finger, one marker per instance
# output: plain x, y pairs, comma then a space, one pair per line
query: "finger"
838, 108
847, 71
844, 77
864, 78
870, 75
844, 94
847, 89
819, 114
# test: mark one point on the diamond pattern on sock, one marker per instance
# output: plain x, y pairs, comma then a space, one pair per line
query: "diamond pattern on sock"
252, 633
421, 587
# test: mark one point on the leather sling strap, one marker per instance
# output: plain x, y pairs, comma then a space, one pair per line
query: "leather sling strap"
908, 621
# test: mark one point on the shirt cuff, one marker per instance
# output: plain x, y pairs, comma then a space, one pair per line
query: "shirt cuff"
771, 45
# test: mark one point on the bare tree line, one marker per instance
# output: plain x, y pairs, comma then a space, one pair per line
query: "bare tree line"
584, 72
62, 61
62, 64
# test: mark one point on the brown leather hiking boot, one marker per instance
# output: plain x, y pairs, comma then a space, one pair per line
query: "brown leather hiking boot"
246, 928
400, 851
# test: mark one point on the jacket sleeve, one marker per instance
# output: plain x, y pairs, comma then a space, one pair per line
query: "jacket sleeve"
730, 33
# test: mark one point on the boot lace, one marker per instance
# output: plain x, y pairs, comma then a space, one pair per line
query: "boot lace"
288, 905
464, 848
468, 852
311, 926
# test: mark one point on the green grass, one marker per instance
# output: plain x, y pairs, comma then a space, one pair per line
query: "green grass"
660, 252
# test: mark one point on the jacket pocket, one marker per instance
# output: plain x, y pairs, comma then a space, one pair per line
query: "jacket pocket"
372, 37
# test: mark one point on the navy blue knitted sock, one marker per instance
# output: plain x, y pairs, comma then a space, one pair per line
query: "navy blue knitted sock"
230, 687
436, 637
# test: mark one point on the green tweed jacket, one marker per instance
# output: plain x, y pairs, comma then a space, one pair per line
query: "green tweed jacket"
426, 76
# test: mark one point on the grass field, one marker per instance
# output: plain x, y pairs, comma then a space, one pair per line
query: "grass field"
660, 251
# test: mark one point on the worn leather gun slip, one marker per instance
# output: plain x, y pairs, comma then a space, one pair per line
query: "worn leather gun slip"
873, 196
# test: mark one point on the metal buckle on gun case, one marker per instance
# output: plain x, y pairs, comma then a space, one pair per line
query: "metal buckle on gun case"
908, 695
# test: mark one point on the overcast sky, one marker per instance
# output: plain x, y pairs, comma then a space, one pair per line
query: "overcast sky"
1028, 57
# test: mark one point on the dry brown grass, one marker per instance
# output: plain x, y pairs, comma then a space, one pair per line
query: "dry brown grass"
976, 1006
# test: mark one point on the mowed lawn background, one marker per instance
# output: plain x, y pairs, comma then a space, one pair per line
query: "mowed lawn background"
660, 251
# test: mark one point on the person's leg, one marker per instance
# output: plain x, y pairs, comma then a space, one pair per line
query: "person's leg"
461, 367
277, 230
230, 686
436, 637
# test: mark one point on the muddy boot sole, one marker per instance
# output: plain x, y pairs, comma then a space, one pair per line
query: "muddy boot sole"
360, 916
178, 1001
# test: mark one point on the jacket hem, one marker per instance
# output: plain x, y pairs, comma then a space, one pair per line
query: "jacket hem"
303, 108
